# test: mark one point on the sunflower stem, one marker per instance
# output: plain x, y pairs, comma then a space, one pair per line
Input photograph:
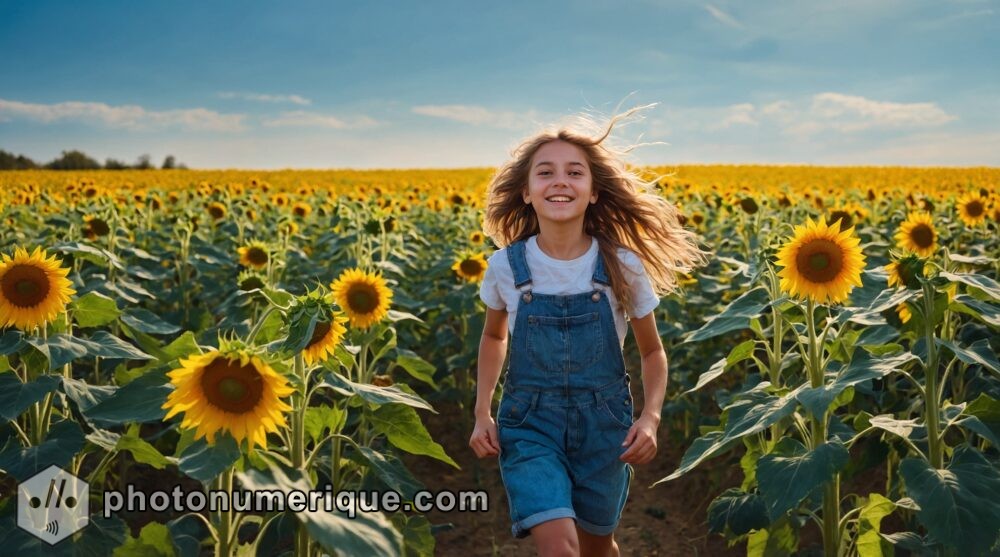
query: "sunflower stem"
259, 324
931, 400
831, 491
298, 448
223, 546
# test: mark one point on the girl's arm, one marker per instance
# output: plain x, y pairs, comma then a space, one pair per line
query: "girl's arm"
492, 350
642, 436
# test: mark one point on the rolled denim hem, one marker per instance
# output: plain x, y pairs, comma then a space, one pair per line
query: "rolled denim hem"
522, 528
595, 529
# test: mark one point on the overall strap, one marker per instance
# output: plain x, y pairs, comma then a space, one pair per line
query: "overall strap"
599, 274
518, 264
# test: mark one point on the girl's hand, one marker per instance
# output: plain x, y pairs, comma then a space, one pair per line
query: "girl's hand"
484, 440
641, 441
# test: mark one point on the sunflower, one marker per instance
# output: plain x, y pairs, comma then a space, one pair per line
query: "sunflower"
904, 313
33, 289
972, 209
821, 262
254, 255
236, 392
470, 267
95, 227
325, 337
217, 210
842, 215
905, 271
301, 209
363, 296
477, 237
917, 234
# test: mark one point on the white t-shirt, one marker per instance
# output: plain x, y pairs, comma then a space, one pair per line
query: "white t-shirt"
563, 277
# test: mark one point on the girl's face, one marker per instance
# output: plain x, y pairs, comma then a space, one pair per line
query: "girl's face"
559, 182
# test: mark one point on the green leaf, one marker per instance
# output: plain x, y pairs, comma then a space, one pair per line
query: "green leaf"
416, 366
366, 533
402, 426
300, 330
10, 341
59, 349
148, 322
391, 471
94, 309
106, 345
862, 368
779, 540
139, 401
154, 541
418, 536
754, 412
735, 316
978, 353
63, 441
784, 481
987, 410
141, 450
16, 397
738, 511
321, 418
740, 352
907, 429
373, 394
983, 283
98, 256
869, 542
205, 462
957, 505
984, 311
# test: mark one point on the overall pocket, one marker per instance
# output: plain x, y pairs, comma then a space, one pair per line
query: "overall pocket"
513, 411
619, 408
557, 344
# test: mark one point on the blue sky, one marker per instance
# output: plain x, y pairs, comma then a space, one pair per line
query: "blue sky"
340, 84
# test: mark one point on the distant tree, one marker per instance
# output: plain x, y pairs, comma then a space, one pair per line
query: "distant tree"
169, 162
143, 163
112, 164
73, 160
9, 162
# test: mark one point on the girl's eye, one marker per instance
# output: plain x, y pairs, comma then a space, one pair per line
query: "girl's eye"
544, 173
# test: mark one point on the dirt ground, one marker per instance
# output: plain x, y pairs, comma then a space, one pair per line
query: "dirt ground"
669, 519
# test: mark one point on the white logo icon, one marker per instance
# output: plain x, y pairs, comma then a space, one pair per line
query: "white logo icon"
53, 505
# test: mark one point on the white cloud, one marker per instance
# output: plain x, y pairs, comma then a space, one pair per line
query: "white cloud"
850, 113
262, 97
301, 118
723, 17
739, 114
129, 117
480, 116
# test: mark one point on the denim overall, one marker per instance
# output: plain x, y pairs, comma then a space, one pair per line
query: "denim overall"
565, 410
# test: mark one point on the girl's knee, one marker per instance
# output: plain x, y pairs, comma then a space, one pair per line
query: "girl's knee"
556, 538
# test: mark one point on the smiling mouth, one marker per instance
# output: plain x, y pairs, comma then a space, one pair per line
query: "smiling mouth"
559, 199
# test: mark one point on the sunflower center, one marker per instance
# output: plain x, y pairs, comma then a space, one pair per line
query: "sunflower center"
471, 267
320, 331
232, 387
748, 205
257, 256
843, 216
974, 208
820, 260
362, 298
25, 286
216, 212
922, 235
99, 227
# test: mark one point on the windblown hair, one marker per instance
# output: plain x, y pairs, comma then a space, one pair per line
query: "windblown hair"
629, 213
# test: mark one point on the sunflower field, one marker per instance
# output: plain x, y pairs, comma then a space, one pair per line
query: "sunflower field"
291, 330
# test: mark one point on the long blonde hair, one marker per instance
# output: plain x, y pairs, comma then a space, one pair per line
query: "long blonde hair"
628, 213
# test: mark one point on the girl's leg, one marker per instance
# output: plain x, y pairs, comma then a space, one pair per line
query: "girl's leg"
597, 546
556, 538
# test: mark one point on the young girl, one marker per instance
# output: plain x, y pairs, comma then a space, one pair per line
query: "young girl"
585, 243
